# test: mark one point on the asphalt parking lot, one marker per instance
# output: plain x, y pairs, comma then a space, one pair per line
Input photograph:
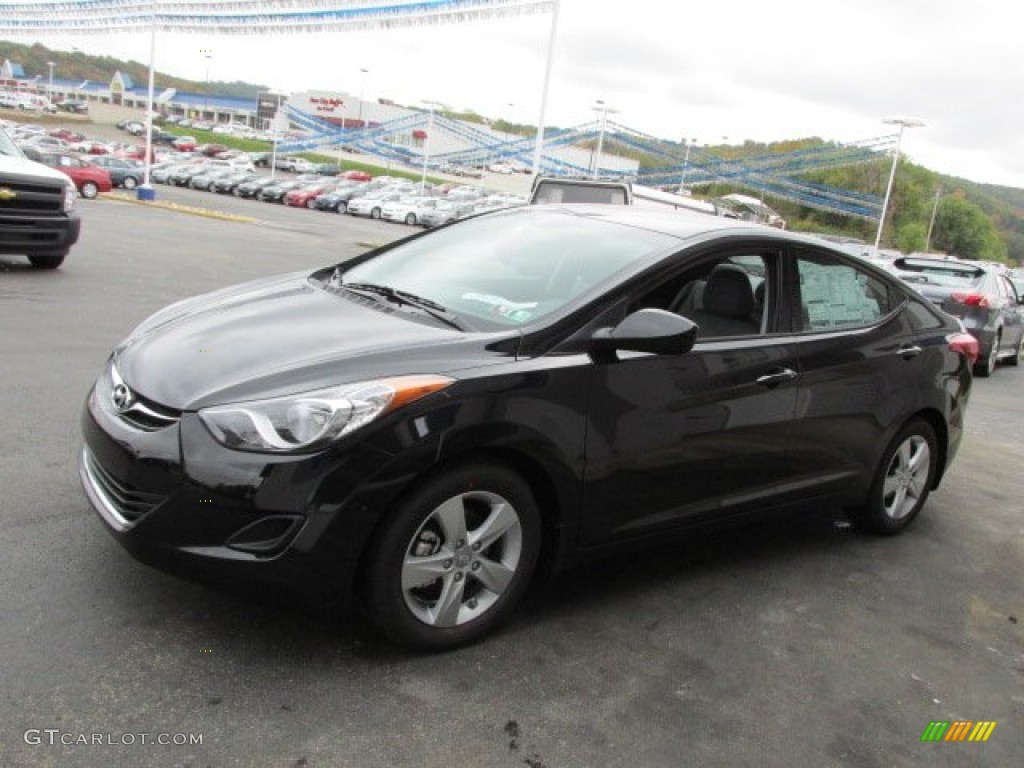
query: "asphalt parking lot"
798, 643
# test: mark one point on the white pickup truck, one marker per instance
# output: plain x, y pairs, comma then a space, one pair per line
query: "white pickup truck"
37, 215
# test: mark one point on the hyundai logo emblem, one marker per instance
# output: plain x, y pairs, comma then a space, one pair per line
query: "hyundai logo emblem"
121, 397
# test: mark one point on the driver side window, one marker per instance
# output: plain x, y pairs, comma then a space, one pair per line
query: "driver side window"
726, 296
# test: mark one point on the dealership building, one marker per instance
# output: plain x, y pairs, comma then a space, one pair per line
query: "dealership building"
270, 111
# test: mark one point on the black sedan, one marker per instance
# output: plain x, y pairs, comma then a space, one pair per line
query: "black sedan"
182, 175
434, 421
254, 187
337, 201
985, 299
274, 193
229, 184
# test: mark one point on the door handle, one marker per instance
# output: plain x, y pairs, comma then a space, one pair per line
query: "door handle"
776, 377
909, 351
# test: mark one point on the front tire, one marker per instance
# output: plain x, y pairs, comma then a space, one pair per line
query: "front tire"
902, 483
341, 207
454, 559
89, 190
46, 260
410, 219
129, 182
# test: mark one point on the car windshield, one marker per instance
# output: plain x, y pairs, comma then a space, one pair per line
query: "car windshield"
8, 147
510, 269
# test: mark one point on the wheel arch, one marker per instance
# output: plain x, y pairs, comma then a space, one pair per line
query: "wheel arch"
533, 465
935, 420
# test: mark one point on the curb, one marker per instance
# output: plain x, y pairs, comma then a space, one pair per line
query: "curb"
208, 213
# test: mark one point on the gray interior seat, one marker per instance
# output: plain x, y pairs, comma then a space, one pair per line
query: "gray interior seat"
727, 304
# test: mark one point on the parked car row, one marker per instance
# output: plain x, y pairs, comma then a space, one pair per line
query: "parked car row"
354, 192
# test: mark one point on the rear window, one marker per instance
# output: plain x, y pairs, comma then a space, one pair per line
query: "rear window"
557, 192
941, 273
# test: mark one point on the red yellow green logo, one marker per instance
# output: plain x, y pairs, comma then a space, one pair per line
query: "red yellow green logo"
958, 730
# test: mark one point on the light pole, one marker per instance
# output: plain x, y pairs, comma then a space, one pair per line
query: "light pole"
341, 134
206, 95
686, 162
426, 143
903, 123
362, 92
49, 87
538, 146
601, 107
931, 221
273, 151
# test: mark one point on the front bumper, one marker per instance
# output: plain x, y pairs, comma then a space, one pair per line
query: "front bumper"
179, 501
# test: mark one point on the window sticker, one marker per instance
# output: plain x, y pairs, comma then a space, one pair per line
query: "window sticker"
835, 297
515, 311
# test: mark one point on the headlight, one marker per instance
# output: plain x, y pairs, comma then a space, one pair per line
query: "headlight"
69, 197
309, 421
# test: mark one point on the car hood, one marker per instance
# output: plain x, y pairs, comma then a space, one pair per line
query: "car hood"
20, 165
285, 335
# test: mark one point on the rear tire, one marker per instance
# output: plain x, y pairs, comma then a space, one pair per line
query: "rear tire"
46, 260
454, 559
410, 219
89, 190
902, 482
375, 213
1015, 360
985, 368
130, 182
342, 207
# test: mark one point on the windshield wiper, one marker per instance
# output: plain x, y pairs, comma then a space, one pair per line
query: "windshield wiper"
432, 308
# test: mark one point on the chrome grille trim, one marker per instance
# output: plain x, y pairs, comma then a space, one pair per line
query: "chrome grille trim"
118, 503
148, 418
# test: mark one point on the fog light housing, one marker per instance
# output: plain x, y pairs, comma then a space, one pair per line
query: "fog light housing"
267, 536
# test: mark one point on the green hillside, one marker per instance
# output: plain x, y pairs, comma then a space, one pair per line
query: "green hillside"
75, 65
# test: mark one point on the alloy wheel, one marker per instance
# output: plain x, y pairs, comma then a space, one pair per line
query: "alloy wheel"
907, 477
462, 559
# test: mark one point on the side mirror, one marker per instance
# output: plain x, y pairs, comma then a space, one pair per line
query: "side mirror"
647, 330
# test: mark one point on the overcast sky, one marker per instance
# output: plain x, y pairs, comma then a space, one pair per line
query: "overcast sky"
672, 68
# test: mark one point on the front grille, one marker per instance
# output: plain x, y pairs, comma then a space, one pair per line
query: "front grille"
127, 503
30, 195
148, 416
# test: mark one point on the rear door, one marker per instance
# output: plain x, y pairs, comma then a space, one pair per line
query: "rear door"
862, 370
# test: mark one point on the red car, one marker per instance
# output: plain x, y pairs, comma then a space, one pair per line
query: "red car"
137, 153
67, 134
356, 175
211, 150
184, 144
305, 197
89, 179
